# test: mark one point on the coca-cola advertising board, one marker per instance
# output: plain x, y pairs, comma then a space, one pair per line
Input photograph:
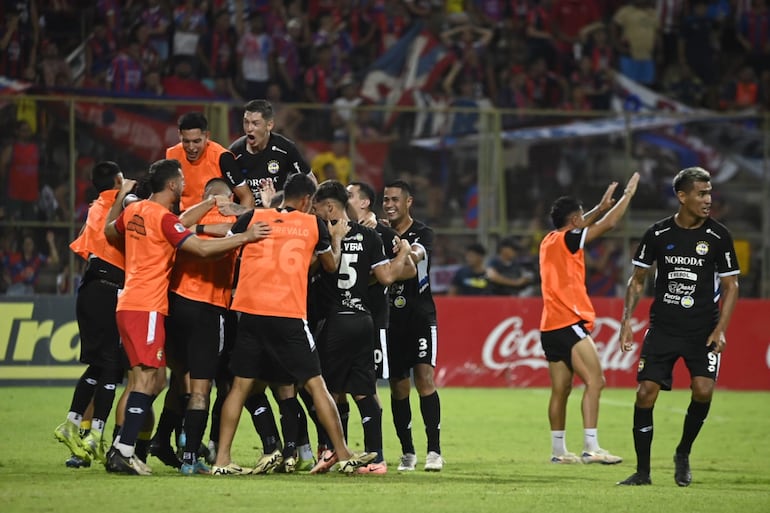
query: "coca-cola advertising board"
495, 342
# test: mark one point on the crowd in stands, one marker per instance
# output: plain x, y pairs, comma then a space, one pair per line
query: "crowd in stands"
511, 53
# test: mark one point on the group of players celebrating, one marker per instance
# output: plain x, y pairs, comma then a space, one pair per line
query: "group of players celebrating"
327, 299
294, 286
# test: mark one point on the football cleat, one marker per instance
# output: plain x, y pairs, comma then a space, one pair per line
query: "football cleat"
636, 479
356, 461
117, 463
408, 462
565, 459
165, 453
94, 443
682, 474
211, 457
600, 456
192, 469
75, 462
434, 462
268, 462
325, 462
287, 466
373, 469
231, 469
68, 434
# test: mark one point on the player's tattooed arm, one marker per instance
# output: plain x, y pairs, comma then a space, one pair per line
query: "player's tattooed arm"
634, 291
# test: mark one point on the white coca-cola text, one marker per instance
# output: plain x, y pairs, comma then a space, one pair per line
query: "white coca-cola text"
510, 345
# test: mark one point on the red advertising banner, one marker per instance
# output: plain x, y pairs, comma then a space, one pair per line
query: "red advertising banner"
495, 342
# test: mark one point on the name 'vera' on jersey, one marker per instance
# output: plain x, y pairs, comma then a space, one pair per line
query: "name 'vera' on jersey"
689, 266
347, 290
276, 162
415, 292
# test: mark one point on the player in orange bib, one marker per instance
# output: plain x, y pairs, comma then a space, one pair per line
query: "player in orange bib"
274, 343
95, 308
198, 155
152, 234
568, 317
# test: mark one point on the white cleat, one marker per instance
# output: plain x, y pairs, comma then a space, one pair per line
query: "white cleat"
408, 462
434, 462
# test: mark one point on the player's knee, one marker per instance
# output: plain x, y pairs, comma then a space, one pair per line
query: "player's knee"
198, 401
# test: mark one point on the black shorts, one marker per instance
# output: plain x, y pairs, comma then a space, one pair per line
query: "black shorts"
347, 360
557, 344
95, 310
660, 351
412, 339
275, 350
194, 336
224, 377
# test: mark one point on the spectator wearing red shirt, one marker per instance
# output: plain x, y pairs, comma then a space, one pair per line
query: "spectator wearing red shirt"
17, 47
570, 18
392, 20
539, 31
20, 174
754, 32
320, 81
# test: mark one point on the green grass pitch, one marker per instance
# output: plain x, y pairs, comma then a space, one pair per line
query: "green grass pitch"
495, 441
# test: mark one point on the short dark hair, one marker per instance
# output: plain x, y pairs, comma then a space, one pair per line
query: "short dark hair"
214, 181
562, 208
264, 107
162, 172
332, 190
686, 178
508, 242
103, 175
366, 191
477, 248
193, 120
401, 184
298, 186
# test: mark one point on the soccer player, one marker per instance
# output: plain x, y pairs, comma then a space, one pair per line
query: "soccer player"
412, 340
344, 342
696, 267
200, 293
95, 311
200, 159
361, 199
568, 317
273, 334
261, 155
199, 156
152, 234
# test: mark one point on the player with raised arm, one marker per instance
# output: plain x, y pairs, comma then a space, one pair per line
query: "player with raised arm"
568, 317
152, 234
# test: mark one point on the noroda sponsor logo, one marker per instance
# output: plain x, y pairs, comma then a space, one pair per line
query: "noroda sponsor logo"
510, 344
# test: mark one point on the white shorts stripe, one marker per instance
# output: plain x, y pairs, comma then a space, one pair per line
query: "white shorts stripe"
221, 333
434, 344
384, 348
152, 321
579, 331
310, 339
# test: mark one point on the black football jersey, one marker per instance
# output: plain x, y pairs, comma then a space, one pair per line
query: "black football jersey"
276, 162
378, 293
347, 290
415, 292
689, 265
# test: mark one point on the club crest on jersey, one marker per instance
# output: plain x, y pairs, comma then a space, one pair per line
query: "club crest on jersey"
273, 167
702, 248
399, 302
179, 227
